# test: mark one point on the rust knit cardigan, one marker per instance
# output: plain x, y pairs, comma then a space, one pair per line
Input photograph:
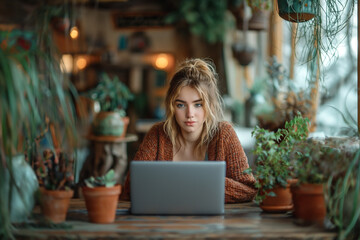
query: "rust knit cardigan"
225, 146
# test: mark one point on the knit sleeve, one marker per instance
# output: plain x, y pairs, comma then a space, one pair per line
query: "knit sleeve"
239, 186
149, 147
146, 152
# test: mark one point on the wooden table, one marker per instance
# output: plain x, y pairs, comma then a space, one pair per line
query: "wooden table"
240, 221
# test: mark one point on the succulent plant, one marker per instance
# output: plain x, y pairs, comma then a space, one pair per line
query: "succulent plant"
107, 180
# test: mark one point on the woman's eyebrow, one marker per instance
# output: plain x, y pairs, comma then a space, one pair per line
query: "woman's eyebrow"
182, 101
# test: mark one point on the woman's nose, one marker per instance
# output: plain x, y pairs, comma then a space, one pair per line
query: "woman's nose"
189, 112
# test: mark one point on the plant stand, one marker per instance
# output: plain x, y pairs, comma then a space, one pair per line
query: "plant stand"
107, 152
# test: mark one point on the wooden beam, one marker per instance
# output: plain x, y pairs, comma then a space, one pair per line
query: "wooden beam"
275, 34
293, 48
315, 88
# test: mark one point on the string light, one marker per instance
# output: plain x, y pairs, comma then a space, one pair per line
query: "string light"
81, 63
74, 32
161, 61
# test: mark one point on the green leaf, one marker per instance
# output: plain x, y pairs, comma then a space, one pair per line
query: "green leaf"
271, 194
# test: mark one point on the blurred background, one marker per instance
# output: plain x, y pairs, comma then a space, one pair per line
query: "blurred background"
269, 68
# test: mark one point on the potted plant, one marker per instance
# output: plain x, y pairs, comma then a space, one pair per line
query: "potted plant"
33, 88
341, 166
319, 37
113, 97
259, 13
308, 192
241, 50
205, 18
54, 170
297, 11
327, 171
273, 170
284, 99
101, 197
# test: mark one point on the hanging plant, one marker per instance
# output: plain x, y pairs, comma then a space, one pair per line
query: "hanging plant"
297, 10
318, 39
205, 18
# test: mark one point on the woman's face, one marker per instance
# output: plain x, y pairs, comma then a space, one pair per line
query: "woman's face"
189, 111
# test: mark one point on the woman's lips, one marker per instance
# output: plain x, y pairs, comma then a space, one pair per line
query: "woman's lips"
189, 123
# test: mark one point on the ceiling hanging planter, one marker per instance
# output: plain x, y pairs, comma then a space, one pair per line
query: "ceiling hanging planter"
259, 20
242, 51
296, 10
244, 54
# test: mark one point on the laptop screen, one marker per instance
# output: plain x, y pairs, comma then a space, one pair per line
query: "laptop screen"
166, 187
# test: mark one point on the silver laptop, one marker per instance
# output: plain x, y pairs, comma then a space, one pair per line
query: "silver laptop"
177, 188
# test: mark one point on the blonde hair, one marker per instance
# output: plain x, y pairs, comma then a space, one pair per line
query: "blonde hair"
200, 74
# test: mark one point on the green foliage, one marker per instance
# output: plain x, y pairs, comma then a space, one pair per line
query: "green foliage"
334, 161
351, 128
112, 94
260, 4
284, 99
108, 180
257, 4
306, 159
319, 38
54, 170
342, 196
32, 88
272, 150
205, 18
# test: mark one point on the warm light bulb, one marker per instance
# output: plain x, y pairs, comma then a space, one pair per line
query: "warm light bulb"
74, 32
81, 63
161, 61
67, 63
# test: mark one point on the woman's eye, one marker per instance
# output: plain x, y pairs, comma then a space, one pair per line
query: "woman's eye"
198, 105
180, 105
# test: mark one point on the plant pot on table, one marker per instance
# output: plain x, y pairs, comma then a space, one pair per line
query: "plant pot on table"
309, 203
101, 203
279, 203
55, 204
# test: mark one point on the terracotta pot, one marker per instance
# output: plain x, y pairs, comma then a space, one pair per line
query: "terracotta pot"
259, 20
101, 203
309, 203
282, 202
55, 204
299, 11
126, 121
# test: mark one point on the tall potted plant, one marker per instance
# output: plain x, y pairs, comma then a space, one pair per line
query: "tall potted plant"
113, 97
273, 170
32, 88
54, 169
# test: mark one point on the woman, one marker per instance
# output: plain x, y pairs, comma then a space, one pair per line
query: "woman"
193, 130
